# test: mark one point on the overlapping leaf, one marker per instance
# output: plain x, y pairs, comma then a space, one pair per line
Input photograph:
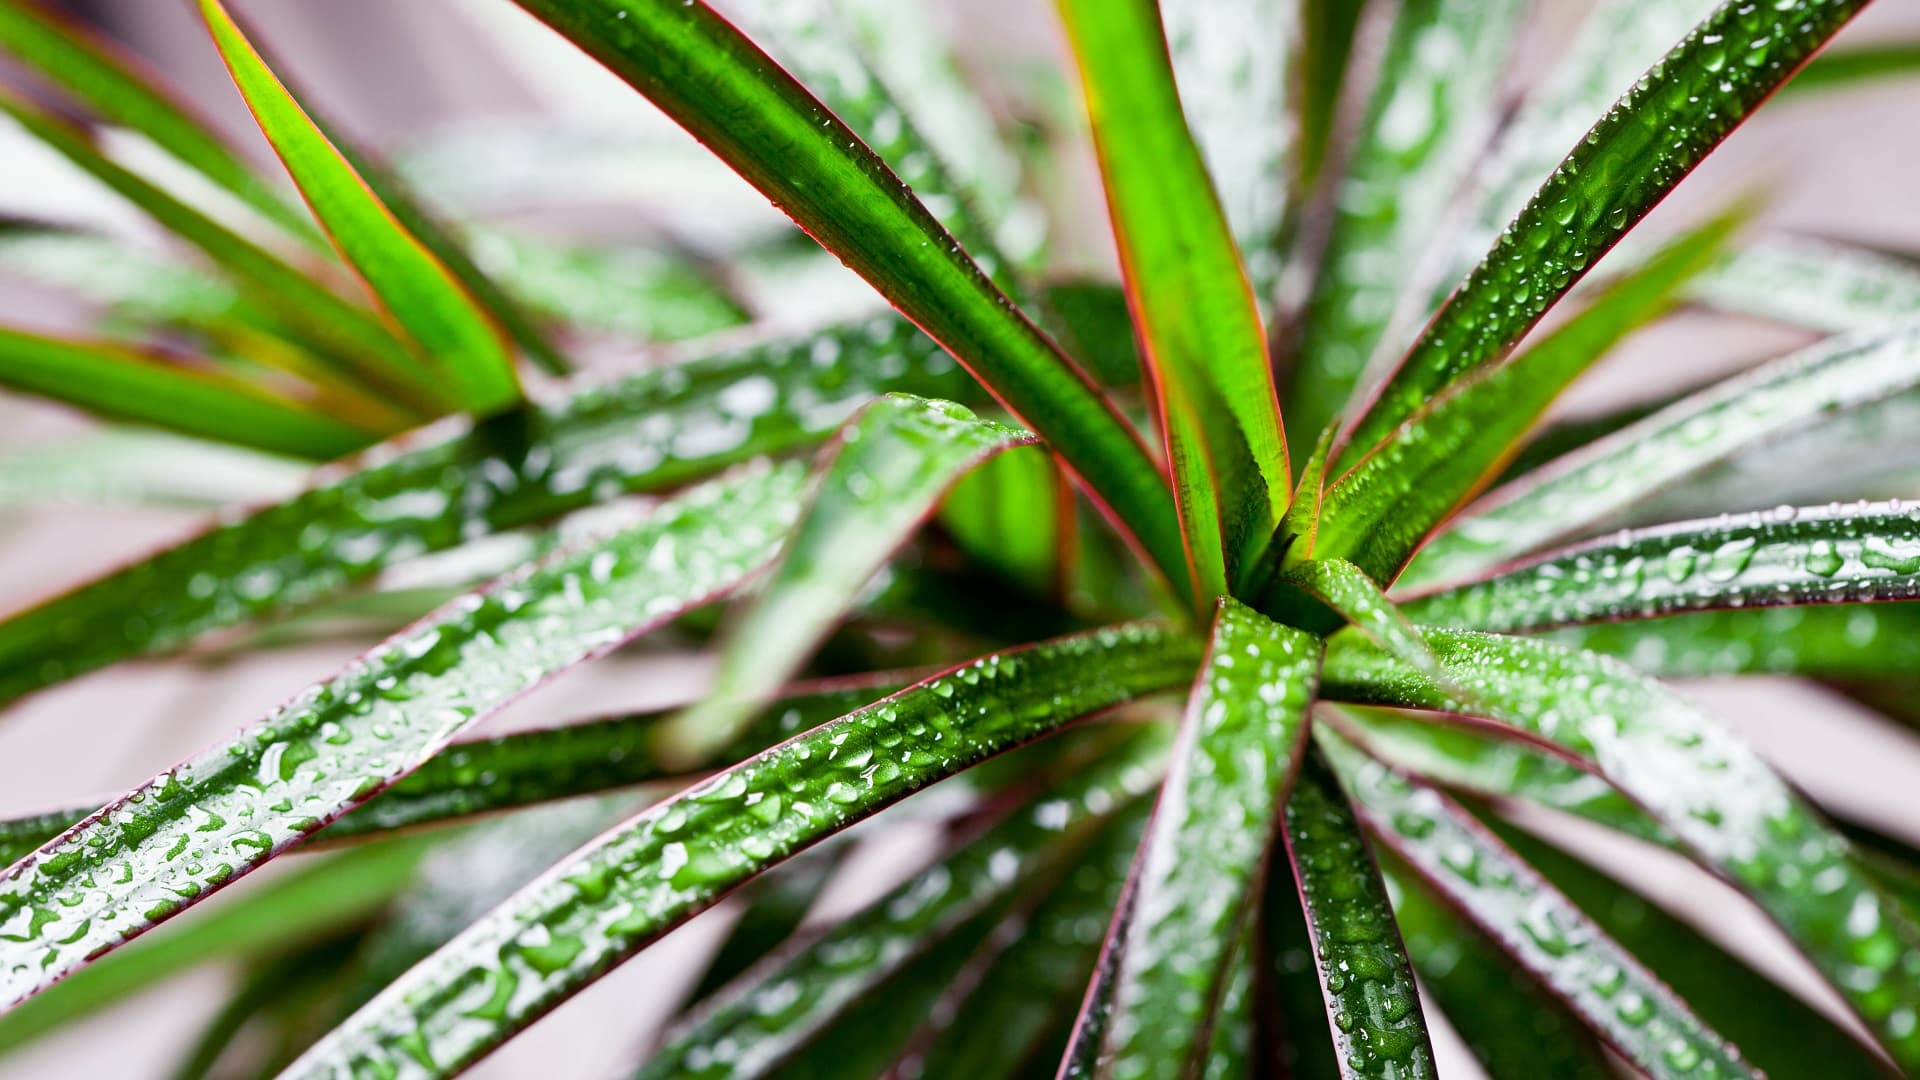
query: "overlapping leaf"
640, 880
1677, 114
714, 82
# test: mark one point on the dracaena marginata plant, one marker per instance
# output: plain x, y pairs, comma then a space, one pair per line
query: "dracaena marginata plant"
1237, 742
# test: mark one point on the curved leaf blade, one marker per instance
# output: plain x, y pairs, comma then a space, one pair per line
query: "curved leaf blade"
1786, 556
1857, 64
1199, 868
647, 876
1812, 283
1725, 804
127, 385
193, 829
458, 340
1535, 924
1428, 115
1373, 1008
1835, 641
646, 432
889, 469
714, 82
1586, 487
1192, 303
1672, 119
1348, 590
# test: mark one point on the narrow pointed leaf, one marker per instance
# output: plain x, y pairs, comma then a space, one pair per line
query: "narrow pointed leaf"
191, 830
312, 901
890, 468
735, 1035
127, 385
1858, 64
1538, 927
714, 82
1008, 513
1348, 590
1812, 283
1585, 489
364, 347
1373, 1008
1192, 303
1726, 805
1429, 114
1819, 555
1233, 61
1329, 31
625, 291
1199, 868
646, 432
1838, 641
459, 341
1703, 88
1082, 1056
1378, 514
1039, 979
776, 907
645, 877
113, 84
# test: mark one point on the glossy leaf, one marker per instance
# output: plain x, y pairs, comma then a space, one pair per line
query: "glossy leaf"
1378, 514
641, 879
459, 342
114, 84
1082, 1056
1676, 115
1192, 304
1812, 283
645, 432
1830, 641
128, 385
1428, 116
1819, 555
1348, 590
315, 900
775, 905
714, 82
1234, 64
361, 345
1536, 925
750, 1028
1293, 1010
1199, 868
1589, 486
1725, 804
1373, 1008
890, 468
183, 835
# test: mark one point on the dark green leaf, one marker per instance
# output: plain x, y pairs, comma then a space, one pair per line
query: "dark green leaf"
697, 68
1013, 514
1428, 116
1347, 589
645, 877
186, 833
1191, 300
1726, 805
1199, 869
1672, 119
646, 432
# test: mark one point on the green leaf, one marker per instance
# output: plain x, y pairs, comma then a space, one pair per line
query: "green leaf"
1702, 89
1516, 1031
1198, 873
1535, 925
776, 907
297, 981
734, 1035
123, 384
315, 900
1037, 982
1373, 1008
183, 835
1192, 304
1428, 116
626, 291
646, 432
642, 879
1819, 555
1232, 61
93, 70
1378, 514
1817, 284
356, 340
1830, 641
1590, 486
1347, 589
459, 342
1327, 34
714, 82
889, 470
1857, 64
1726, 805
1013, 514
